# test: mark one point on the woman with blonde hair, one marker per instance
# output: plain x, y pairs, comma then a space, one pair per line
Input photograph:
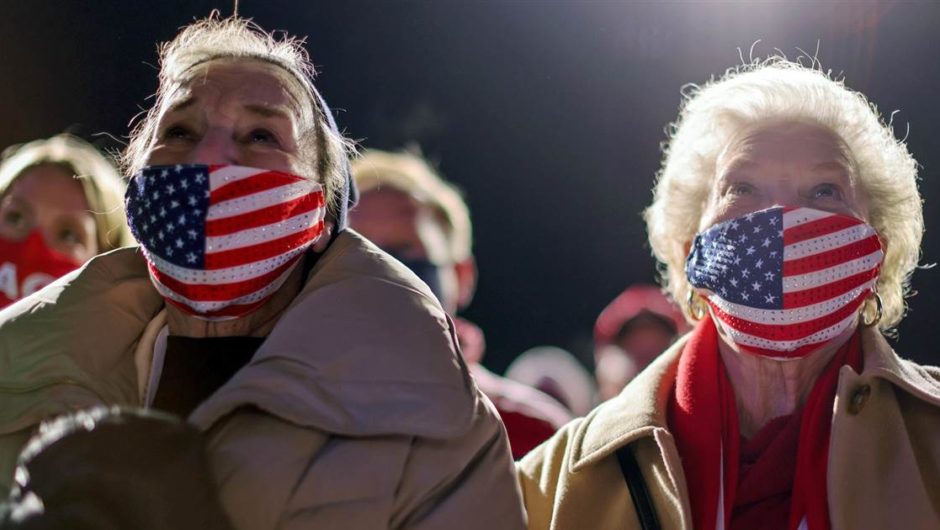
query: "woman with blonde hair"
788, 221
61, 202
325, 377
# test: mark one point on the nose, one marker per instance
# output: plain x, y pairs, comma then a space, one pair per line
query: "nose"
215, 147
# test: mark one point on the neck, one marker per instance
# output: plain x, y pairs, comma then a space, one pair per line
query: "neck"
766, 388
259, 323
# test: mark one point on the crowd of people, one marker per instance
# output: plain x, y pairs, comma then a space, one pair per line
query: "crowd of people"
260, 327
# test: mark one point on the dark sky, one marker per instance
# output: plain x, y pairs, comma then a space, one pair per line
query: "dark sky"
548, 114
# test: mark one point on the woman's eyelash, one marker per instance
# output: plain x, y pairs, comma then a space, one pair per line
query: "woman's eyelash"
262, 135
740, 188
176, 131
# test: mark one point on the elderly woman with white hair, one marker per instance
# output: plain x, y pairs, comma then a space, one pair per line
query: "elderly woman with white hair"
324, 375
788, 220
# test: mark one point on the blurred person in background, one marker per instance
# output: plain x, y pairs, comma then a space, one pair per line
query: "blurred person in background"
61, 202
127, 469
325, 377
409, 211
788, 219
637, 326
558, 373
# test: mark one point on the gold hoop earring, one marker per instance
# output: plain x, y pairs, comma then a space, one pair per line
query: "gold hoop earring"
697, 307
879, 308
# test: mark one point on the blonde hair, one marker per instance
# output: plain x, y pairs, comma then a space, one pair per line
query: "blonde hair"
412, 175
236, 38
101, 184
778, 90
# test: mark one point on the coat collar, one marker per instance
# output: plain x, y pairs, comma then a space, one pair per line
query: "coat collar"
640, 409
636, 412
364, 349
922, 382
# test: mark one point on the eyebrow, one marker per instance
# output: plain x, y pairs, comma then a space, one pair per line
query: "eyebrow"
16, 201
743, 164
268, 111
182, 105
265, 111
832, 165
739, 164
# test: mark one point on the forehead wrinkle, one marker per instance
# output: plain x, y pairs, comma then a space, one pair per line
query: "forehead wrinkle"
842, 165
200, 75
267, 111
178, 98
737, 153
258, 106
287, 76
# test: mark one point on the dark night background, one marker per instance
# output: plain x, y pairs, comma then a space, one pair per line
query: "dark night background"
548, 114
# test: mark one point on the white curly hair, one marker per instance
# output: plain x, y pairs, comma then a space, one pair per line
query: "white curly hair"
779, 90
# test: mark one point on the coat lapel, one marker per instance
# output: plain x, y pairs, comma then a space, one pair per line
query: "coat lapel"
883, 452
638, 416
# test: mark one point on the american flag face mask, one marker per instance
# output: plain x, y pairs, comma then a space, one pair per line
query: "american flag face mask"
783, 281
220, 240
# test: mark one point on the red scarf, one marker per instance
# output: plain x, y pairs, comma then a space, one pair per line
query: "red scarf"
704, 419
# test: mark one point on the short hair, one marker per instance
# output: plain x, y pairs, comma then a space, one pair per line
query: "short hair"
236, 38
101, 184
412, 175
776, 90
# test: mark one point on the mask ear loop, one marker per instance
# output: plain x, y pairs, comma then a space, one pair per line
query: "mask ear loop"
697, 306
879, 309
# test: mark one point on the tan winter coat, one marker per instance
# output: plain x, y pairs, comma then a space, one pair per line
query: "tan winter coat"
884, 456
356, 412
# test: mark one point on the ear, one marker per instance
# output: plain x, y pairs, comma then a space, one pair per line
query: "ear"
324, 240
466, 281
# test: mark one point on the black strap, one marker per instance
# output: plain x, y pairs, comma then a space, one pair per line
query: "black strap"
638, 490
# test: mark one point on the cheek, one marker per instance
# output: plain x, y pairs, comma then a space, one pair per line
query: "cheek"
716, 208
732, 207
81, 255
271, 159
715, 212
160, 156
859, 204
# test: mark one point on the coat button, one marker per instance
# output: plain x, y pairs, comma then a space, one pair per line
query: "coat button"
859, 399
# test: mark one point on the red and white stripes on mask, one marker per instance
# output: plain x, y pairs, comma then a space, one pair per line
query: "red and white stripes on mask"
783, 281
220, 240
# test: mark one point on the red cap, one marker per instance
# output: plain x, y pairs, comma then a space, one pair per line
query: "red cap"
634, 300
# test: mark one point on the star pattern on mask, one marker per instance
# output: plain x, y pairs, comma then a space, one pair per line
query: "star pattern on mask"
166, 210
740, 259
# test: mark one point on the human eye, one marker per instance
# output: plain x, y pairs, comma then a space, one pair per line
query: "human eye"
69, 237
741, 189
177, 132
827, 191
14, 218
262, 136
70, 234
